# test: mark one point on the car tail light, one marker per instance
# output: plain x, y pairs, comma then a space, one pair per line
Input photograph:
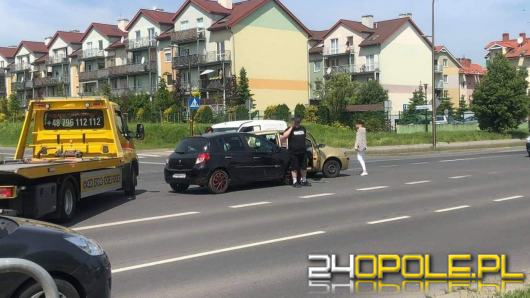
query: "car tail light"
202, 158
7, 192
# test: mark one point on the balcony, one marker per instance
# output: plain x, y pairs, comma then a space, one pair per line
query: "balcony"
22, 66
131, 69
187, 36
44, 82
439, 85
338, 51
19, 86
130, 90
195, 60
93, 75
340, 69
215, 84
58, 59
142, 43
438, 68
92, 54
367, 68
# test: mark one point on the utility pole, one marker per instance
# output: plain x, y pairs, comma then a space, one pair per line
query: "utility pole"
433, 100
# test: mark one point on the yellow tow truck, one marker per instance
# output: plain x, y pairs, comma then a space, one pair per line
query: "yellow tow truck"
80, 148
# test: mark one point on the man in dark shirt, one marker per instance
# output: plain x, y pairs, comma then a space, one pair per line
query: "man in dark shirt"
296, 135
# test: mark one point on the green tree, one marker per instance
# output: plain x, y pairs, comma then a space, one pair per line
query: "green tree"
445, 104
340, 90
243, 88
300, 111
462, 108
3, 105
411, 115
318, 89
371, 92
162, 99
500, 101
279, 112
204, 115
14, 107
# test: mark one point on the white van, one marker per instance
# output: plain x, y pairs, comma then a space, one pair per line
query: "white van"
250, 126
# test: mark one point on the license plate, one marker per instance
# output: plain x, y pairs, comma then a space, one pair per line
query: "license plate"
179, 176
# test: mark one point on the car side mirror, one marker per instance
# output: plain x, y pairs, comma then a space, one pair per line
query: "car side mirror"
320, 146
140, 131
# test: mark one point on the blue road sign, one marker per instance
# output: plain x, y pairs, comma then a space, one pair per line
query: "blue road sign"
194, 103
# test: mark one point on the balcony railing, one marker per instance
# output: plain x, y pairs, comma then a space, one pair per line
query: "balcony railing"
141, 43
131, 90
341, 69
43, 82
22, 66
93, 75
439, 85
366, 68
22, 85
92, 53
438, 68
215, 84
128, 69
194, 60
338, 51
58, 59
189, 35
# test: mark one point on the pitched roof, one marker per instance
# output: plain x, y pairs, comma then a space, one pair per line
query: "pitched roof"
352, 25
442, 48
512, 43
165, 35
41, 59
471, 68
76, 53
155, 16
32, 47
243, 9
385, 29
522, 50
116, 45
71, 37
209, 6
7, 52
105, 30
318, 34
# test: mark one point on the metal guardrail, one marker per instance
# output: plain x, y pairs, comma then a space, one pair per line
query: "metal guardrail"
33, 270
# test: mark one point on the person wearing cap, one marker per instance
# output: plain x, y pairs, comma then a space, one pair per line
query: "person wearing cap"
361, 145
296, 135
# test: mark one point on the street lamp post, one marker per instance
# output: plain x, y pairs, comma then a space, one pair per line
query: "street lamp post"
433, 100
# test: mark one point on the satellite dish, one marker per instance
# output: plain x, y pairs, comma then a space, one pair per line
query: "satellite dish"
520, 40
328, 71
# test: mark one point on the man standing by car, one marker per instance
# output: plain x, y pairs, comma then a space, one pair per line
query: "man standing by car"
361, 145
296, 135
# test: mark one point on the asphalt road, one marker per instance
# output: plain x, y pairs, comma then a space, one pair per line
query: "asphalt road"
254, 241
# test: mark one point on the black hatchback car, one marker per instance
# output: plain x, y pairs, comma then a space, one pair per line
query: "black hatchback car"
220, 160
79, 266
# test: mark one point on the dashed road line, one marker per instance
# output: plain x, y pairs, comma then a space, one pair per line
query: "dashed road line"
452, 209
418, 182
508, 199
124, 222
388, 220
152, 163
217, 251
249, 205
460, 177
389, 166
420, 163
372, 188
317, 195
148, 155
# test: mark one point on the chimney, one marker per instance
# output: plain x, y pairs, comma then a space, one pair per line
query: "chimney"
405, 15
505, 36
523, 36
226, 3
75, 31
465, 62
122, 24
47, 40
368, 21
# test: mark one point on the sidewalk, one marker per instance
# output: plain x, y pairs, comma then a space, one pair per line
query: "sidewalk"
382, 150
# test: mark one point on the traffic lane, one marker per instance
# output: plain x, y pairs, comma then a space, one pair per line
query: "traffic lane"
280, 269
155, 197
185, 234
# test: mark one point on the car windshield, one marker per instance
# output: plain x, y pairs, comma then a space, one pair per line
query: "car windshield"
440, 118
192, 145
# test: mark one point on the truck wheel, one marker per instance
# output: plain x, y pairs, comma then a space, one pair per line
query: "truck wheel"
331, 168
179, 187
130, 182
218, 182
65, 288
66, 201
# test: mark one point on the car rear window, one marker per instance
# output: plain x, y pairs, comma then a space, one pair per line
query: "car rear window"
192, 145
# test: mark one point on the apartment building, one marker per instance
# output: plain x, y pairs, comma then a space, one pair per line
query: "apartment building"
7, 57
213, 40
316, 64
447, 75
517, 50
91, 58
23, 70
394, 52
470, 76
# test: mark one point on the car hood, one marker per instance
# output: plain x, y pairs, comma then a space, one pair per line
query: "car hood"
24, 222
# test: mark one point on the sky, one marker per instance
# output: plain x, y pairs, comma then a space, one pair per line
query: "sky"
464, 26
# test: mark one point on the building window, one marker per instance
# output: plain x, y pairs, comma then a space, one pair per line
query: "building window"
445, 62
446, 94
1, 64
200, 23
138, 34
334, 46
349, 44
167, 55
151, 33
89, 45
446, 79
100, 45
370, 63
318, 66
184, 25
220, 50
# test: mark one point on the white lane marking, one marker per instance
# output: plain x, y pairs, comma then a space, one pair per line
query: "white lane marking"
418, 182
460, 177
371, 188
459, 159
148, 155
217, 251
152, 163
124, 222
250, 205
387, 220
452, 208
420, 163
318, 195
508, 198
389, 166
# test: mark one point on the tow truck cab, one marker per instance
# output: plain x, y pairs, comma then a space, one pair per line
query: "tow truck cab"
80, 148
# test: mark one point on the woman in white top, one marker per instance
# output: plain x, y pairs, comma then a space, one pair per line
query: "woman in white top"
361, 145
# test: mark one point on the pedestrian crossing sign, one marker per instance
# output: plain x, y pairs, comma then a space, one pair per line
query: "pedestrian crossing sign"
194, 103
